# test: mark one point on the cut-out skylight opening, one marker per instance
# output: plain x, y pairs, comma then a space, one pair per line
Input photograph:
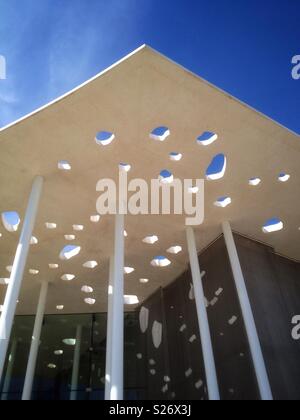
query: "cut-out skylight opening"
70, 237
104, 138
90, 301
58, 352
125, 234
175, 250
60, 307
160, 261
95, 218
33, 272
273, 225
4, 281
11, 221
144, 281
217, 168
34, 241
128, 270
69, 251
193, 190
87, 289
64, 165
124, 167
53, 266
166, 177
175, 157
150, 240
68, 277
283, 177
254, 182
131, 300
223, 202
51, 226
207, 138
160, 134
90, 264
78, 228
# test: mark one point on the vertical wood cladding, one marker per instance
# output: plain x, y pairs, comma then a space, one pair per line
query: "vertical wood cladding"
175, 370
273, 284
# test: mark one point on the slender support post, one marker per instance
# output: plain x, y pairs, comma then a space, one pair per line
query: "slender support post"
255, 348
207, 349
76, 364
35, 343
9, 370
13, 290
109, 331
117, 327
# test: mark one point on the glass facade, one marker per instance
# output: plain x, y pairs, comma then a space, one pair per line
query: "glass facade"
56, 377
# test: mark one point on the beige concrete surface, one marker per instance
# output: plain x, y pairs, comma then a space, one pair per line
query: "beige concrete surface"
141, 93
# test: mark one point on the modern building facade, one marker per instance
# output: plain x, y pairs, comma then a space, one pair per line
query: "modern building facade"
143, 306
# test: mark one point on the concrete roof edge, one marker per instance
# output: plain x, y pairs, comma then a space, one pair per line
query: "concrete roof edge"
223, 91
74, 90
136, 51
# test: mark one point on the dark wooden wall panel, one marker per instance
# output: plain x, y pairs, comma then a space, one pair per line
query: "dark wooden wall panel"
273, 284
232, 356
185, 354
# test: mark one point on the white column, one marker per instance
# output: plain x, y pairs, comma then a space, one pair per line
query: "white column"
9, 370
35, 343
13, 290
117, 327
255, 348
76, 364
109, 331
207, 349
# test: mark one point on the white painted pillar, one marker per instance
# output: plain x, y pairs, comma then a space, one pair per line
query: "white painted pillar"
76, 364
117, 327
9, 370
255, 348
207, 349
13, 290
109, 331
35, 342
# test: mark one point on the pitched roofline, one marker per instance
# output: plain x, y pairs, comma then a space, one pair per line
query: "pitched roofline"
139, 49
74, 90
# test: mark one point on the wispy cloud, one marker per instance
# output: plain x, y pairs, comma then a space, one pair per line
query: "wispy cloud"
57, 46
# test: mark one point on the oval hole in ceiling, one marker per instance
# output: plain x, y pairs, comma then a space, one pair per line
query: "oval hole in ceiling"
217, 168
11, 221
104, 138
207, 138
166, 177
175, 157
160, 261
223, 202
69, 251
160, 133
273, 225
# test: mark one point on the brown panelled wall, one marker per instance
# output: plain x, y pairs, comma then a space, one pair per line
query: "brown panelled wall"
175, 369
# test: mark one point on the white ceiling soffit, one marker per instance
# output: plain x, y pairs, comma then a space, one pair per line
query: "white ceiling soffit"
131, 99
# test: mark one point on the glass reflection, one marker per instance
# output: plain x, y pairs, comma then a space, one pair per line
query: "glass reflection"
71, 360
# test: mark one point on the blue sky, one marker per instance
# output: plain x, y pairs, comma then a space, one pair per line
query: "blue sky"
243, 46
